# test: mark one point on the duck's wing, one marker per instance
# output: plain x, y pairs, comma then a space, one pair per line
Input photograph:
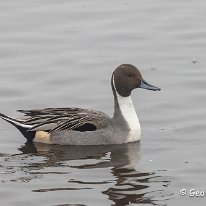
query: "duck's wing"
55, 119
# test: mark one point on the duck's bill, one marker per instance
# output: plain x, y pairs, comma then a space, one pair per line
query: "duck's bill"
145, 85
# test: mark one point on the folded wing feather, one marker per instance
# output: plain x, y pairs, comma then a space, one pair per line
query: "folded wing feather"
55, 119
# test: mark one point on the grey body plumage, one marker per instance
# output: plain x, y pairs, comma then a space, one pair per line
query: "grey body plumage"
76, 126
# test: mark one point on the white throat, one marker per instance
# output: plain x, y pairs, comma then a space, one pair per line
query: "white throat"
128, 112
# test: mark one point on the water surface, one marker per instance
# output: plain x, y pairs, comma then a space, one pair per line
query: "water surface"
62, 53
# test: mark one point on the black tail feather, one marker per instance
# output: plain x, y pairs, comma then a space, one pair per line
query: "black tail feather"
29, 135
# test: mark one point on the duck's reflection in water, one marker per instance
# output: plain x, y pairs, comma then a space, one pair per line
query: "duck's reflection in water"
128, 185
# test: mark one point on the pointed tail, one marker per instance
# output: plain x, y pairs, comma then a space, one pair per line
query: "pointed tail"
23, 128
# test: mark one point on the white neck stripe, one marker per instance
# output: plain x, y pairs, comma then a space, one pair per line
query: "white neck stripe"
129, 114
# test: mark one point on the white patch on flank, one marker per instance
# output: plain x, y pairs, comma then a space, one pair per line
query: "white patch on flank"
128, 112
42, 136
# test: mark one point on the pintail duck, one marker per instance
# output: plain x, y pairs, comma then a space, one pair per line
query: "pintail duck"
76, 126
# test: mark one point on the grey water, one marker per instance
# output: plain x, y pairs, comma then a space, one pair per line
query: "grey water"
62, 54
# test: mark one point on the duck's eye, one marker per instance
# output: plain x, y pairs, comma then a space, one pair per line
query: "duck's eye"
130, 76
